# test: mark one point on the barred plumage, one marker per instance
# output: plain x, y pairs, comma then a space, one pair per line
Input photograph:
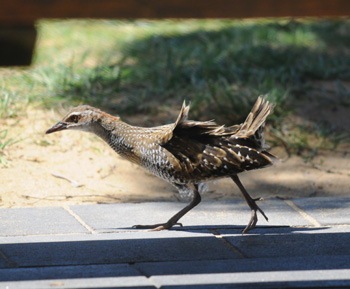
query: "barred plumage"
185, 153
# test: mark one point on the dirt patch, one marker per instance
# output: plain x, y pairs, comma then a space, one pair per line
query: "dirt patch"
100, 176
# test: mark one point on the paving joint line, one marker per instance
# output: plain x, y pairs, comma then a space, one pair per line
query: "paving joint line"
80, 220
305, 215
7, 260
227, 243
149, 277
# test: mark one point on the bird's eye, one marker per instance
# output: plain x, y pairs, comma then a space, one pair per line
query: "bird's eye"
74, 118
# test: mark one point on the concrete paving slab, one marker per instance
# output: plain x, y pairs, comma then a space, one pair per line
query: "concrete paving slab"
110, 282
108, 218
326, 210
119, 248
4, 262
237, 214
280, 214
67, 272
292, 230
38, 221
245, 265
297, 243
50, 247
275, 279
126, 235
116, 217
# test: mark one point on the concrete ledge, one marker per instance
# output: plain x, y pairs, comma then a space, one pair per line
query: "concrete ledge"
305, 245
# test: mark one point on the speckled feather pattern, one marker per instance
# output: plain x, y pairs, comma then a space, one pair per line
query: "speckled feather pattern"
185, 152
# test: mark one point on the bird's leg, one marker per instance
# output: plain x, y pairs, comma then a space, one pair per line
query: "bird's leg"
251, 203
174, 219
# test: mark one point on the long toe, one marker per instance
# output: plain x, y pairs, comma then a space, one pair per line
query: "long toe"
252, 222
146, 226
165, 226
157, 227
262, 213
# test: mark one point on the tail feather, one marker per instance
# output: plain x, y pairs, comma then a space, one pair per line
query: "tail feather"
183, 115
182, 124
253, 126
251, 130
257, 116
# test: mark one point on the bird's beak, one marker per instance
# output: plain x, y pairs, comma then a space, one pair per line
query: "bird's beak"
57, 127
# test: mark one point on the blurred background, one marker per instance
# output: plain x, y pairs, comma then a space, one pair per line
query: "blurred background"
143, 69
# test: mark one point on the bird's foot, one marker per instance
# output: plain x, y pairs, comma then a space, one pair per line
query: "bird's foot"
254, 218
157, 227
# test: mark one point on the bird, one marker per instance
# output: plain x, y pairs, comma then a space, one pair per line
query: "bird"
186, 153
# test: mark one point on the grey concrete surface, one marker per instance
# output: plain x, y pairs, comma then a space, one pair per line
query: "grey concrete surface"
305, 244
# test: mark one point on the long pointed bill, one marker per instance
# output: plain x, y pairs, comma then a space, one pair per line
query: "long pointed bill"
57, 127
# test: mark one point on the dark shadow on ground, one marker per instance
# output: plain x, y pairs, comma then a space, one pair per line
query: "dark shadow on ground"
303, 250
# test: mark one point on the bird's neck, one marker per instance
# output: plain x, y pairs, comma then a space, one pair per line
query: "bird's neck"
117, 134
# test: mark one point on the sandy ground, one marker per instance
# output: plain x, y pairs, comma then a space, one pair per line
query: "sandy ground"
70, 168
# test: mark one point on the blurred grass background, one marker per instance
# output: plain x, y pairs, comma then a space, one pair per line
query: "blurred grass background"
221, 66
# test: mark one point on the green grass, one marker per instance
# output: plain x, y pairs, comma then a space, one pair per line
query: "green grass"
306, 140
128, 64
4, 142
220, 66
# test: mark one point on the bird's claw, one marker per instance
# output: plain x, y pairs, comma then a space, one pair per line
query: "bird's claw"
157, 227
254, 218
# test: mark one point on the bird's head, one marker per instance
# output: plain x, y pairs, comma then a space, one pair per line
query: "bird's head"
79, 118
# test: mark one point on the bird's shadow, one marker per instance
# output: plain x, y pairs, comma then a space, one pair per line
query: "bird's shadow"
228, 229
